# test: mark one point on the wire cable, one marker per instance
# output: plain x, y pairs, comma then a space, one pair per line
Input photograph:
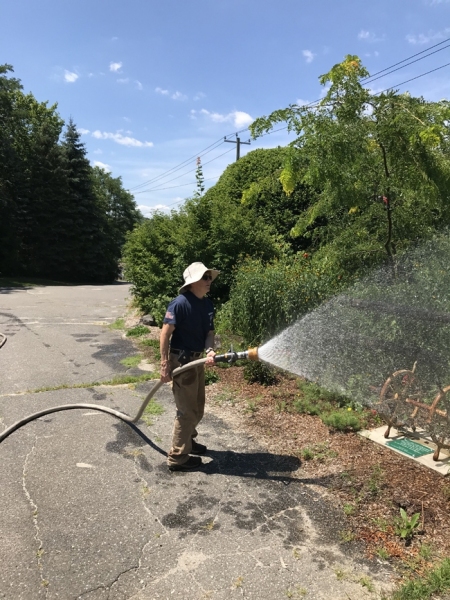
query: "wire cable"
182, 175
378, 75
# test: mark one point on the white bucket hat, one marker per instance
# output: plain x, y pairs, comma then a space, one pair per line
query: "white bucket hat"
195, 272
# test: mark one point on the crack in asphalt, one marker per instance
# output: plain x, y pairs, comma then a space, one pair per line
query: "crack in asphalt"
40, 549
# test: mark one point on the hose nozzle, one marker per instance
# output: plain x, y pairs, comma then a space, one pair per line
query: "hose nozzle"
231, 356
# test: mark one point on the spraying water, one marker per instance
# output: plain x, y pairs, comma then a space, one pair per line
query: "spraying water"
398, 319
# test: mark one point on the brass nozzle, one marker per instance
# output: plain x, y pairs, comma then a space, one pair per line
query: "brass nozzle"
252, 354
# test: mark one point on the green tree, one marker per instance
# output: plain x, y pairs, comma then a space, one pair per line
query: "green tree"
117, 204
87, 251
9, 171
379, 163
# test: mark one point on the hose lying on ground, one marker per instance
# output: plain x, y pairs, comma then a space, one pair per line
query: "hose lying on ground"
228, 357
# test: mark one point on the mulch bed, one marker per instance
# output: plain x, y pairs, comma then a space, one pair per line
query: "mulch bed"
371, 483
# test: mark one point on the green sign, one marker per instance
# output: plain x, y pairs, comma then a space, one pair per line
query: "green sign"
409, 447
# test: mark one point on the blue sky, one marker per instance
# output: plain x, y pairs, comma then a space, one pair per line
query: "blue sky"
151, 84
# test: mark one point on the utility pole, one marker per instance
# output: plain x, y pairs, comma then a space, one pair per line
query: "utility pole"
238, 145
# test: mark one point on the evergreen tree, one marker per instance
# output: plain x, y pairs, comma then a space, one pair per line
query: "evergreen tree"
86, 250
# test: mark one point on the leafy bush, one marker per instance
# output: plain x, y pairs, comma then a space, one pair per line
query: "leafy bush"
266, 298
211, 376
257, 372
342, 421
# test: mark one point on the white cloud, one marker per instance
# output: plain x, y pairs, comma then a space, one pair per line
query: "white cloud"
83, 131
127, 119
121, 139
179, 96
237, 117
370, 36
437, 2
159, 90
301, 102
103, 166
70, 77
115, 66
126, 80
199, 96
426, 38
98, 151
139, 85
309, 56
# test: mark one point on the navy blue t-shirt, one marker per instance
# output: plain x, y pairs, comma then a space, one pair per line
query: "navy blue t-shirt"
193, 318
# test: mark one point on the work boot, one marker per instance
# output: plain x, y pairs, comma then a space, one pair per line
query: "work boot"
193, 462
198, 448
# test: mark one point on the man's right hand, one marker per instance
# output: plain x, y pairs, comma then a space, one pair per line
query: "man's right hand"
166, 372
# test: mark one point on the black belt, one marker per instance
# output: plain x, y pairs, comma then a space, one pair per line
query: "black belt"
192, 355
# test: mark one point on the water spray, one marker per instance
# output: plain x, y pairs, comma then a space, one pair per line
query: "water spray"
230, 357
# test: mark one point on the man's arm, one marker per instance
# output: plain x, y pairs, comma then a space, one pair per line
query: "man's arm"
209, 345
164, 338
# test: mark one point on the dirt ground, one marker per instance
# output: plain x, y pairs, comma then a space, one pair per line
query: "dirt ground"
369, 482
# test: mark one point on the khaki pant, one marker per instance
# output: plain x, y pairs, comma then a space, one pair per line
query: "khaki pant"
189, 393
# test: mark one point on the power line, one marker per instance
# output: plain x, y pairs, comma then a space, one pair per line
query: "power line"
408, 58
407, 64
413, 78
387, 71
182, 175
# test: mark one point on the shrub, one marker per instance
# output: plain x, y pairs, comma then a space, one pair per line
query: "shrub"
342, 421
267, 297
211, 376
257, 372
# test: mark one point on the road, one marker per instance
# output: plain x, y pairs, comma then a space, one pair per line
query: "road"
88, 509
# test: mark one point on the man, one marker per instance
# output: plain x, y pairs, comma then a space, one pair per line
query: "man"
188, 329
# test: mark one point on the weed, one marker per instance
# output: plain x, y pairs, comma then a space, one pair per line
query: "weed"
209, 526
425, 551
154, 345
375, 480
405, 526
319, 451
340, 574
118, 324
281, 406
446, 492
382, 553
153, 408
118, 380
251, 407
45, 583
296, 553
381, 523
137, 331
349, 509
238, 582
131, 361
305, 406
367, 583
435, 582
346, 536
307, 454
